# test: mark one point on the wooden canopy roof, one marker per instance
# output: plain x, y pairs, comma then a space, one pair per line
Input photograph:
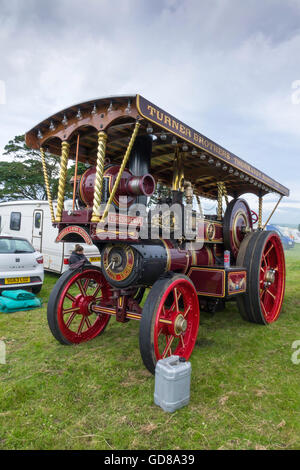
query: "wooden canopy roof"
205, 162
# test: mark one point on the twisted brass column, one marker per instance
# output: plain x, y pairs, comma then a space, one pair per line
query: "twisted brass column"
48, 192
65, 149
225, 194
122, 167
260, 202
102, 138
220, 196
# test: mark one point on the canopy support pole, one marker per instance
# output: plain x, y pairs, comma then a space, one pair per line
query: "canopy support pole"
220, 197
102, 138
65, 149
260, 209
273, 212
46, 179
225, 193
75, 175
122, 167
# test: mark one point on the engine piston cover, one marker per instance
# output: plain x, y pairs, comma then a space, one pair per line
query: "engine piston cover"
130, 185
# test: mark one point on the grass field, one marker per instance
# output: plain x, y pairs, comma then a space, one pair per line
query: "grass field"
98, 395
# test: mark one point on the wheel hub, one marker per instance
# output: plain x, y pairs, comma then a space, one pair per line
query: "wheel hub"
270, 276
84, 304
180, 324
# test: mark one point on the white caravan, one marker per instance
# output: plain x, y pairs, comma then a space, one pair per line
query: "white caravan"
31, 220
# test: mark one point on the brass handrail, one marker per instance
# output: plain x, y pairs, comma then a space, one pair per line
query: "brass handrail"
122, 167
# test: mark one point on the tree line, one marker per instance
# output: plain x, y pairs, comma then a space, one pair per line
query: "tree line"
21, 175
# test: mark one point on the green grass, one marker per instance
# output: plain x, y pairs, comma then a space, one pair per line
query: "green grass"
98, 395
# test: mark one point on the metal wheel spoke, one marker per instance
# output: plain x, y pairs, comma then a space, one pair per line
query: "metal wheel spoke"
81, 325
182, 342
165, 320
87, 321
70, 297
272, 246
71, 318
97, 290
187, 311
264, 309
80, 287
176, 298
264, 258
159, 332
69, 310
271, 294
168, 347
85, 285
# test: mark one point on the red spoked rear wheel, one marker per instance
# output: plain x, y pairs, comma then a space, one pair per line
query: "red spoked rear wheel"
262, 255
70, 316
272, 278
170, 320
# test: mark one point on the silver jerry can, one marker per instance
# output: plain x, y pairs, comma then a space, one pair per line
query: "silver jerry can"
172, 383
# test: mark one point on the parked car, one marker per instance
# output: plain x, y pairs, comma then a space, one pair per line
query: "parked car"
32, 220
287, 242
21, 266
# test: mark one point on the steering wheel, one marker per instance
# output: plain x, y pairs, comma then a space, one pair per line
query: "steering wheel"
254, 217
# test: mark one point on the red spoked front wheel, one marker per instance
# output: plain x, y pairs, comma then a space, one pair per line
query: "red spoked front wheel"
170, 320
70, 316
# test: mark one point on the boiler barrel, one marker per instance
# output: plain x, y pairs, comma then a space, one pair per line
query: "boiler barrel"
126, 265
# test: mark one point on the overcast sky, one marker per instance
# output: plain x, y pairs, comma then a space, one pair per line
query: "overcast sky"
225, 67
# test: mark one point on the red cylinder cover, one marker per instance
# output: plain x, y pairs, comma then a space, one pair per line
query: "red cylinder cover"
130, 186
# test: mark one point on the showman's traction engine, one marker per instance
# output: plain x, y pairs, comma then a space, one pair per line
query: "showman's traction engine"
139, 201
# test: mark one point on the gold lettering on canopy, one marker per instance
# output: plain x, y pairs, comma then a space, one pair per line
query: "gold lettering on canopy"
168, 122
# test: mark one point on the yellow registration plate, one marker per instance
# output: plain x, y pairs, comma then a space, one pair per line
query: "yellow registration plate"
17, 280
95, 258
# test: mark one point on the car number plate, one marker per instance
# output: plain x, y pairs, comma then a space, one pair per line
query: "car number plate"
95, 258
17, 280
